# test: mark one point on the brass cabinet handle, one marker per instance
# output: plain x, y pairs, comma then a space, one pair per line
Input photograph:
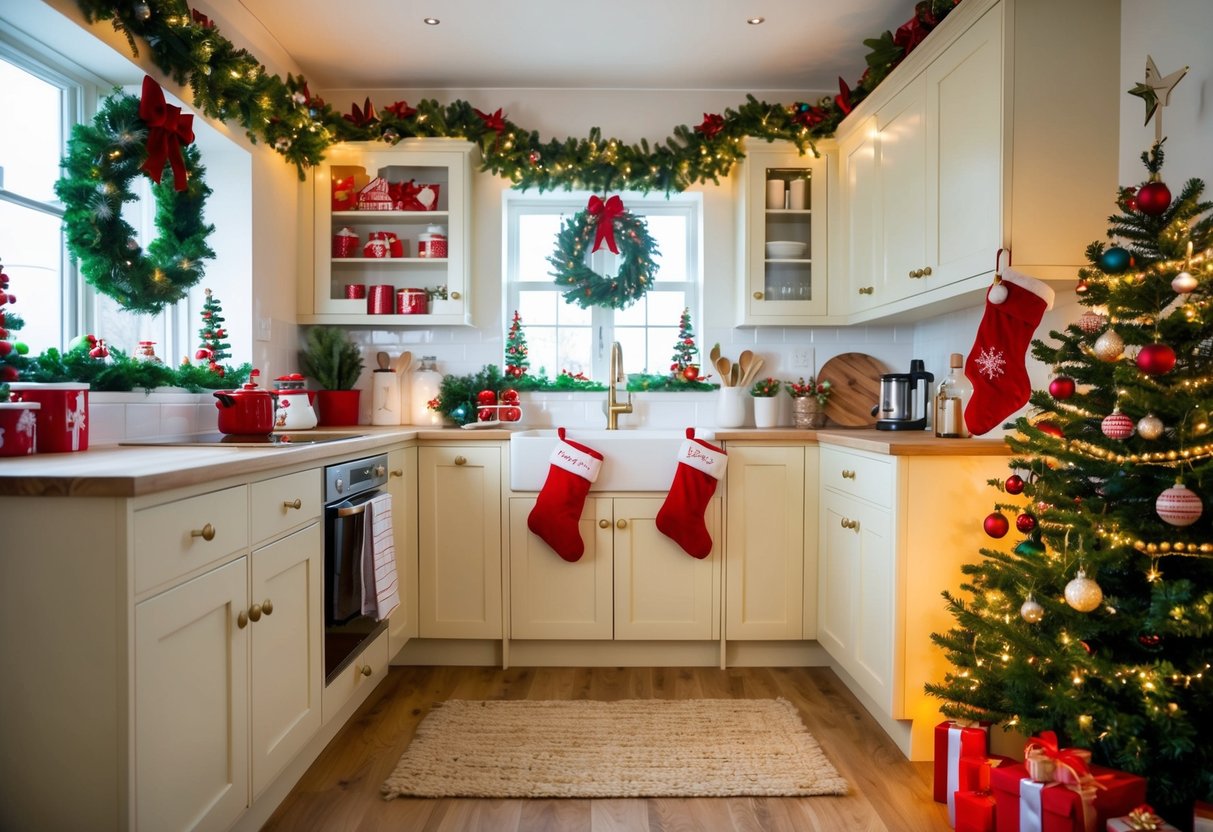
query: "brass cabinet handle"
461, 460
207, 532
758, 296
254, 612
604, 524
867, 290
242, 620
847, 523
917, 273
848, 474
366, 670
295, 503
926, 271
455, 296
397, 473
267, 606
623, 524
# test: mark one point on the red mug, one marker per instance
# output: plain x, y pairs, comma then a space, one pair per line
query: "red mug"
355, 291
379, 299
345, 243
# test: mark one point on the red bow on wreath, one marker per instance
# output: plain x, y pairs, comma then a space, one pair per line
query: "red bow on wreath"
167, 130
606, 212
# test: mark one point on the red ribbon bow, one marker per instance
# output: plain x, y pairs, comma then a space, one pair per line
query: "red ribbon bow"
167, 130
1046, 743
606, 213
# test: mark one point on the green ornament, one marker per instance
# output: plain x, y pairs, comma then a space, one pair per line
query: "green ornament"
21, 347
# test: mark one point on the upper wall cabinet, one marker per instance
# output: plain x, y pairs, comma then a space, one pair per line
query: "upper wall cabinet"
411, 231
782, 234
999, 131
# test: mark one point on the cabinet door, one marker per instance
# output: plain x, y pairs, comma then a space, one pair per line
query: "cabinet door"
838, 564
964, 168
765, 543
551, 598
191, 708
402, 485
287, 663
903, 157
459, 535
661, 592
859, 177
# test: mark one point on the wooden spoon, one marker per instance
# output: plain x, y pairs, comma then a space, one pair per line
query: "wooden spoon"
714, 355
724, 367
755, 368
735, 375
403, 362
384, 360
744, 361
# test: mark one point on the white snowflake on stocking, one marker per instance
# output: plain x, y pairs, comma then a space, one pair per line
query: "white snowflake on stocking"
991, 363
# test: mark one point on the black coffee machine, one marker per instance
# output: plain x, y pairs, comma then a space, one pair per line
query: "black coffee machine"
904, 399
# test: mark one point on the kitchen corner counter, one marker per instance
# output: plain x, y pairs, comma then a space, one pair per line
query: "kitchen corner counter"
890, 442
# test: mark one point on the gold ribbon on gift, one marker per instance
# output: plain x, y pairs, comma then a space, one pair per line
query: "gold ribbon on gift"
1143, 818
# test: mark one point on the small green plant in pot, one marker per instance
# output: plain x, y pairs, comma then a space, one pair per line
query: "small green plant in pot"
334, 361
766, 405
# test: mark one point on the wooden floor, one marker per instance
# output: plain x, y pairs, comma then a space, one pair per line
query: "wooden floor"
341, 790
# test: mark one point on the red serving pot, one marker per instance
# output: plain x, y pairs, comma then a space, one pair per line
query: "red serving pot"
249, 410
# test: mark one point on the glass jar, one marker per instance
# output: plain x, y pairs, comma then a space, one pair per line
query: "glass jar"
951, 399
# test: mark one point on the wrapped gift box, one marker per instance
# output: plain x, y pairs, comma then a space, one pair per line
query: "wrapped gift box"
974, 811
1141, 818
63, 417
954, 741
1061, 806
1202, 817
348, 180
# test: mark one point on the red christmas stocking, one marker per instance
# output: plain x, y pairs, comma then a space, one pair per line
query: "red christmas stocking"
558, 509
700, 466
995, 365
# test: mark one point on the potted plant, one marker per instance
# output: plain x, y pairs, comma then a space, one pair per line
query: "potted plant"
808, 401
334, 361
766, 406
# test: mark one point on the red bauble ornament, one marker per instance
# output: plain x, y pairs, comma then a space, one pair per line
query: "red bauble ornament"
1061, 388
1049, 428
509, 396
1014, 484
690, 373
1179, 505
1025, 523
486, 397
1117, 425
1128, 198
5, 348
486, 414
8, 373
511, 414
1153, 198
996, 525
1156, 359
1081, 288
202, 353
1149, 640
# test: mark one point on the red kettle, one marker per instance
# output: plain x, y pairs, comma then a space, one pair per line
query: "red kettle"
249, 410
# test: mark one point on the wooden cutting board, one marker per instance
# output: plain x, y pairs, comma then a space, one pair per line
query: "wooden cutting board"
855, 379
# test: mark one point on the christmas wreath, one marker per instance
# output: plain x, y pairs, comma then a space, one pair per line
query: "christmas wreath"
128, 136
624, 234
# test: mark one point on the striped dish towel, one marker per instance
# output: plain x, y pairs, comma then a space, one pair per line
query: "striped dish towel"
379, 595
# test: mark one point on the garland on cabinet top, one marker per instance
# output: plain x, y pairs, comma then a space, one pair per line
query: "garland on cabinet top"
229, 83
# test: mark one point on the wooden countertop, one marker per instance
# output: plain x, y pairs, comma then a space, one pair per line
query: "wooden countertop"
133, 470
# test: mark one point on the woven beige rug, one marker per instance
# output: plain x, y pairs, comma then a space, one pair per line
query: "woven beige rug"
629, 748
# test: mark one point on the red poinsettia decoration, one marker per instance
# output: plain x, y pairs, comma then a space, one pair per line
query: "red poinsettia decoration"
362, 117
202, 20
492, 121
808, 115
401, 109
843, 99
711, 126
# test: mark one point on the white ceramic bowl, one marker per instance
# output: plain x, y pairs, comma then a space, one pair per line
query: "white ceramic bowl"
785, 249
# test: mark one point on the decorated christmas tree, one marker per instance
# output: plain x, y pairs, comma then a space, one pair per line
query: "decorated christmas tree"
214, 349
685, 350
12, 352
1098, 622
516, 362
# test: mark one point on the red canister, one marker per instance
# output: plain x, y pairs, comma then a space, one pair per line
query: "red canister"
18, 427
379, 299
345, 243
411, 302
355, 291
63, 418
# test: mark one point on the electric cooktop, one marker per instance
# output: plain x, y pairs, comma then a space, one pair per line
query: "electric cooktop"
236, 440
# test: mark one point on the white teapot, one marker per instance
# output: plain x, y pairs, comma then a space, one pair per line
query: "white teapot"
294, 407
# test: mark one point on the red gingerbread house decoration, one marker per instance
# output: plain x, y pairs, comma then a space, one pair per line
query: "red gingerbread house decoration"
375, 196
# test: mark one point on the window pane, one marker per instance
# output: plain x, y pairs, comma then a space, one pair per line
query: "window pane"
541, 350
31, 143
666, 307
571, 314
536, 308
576, 354
536, 241
670, 234
635, 315
662, 341
635, 354
30, 244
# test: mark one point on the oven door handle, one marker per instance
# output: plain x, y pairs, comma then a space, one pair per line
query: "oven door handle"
350, 511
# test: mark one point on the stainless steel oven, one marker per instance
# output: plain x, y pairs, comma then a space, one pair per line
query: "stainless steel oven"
348, 490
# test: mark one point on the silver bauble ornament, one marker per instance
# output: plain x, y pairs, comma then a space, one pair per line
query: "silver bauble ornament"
1183, 283
1082, 593
1031, 611
1109, 346
1149, 427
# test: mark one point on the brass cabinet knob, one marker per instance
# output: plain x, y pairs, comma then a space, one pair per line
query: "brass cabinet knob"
397, 473
254, 612
926, 271
604, 524
455, 296
758, 296
242, 620
623, 524
916, 273
461, 460
207, 532
848, 474
867, 290
295, 503
847, 523
366, 670
267, 606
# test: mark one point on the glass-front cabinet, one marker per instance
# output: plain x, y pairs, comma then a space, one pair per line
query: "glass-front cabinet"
391, 234
782, 234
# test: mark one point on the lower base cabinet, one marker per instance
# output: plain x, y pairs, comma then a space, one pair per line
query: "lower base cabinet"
631, 583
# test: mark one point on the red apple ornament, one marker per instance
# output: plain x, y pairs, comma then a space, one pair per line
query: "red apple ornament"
1156, 359
486, 397
1061, 388
1014, 484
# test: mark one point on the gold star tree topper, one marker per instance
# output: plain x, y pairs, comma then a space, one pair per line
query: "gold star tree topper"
1156, 92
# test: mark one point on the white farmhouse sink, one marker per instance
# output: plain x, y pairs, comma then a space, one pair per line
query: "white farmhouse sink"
632, 460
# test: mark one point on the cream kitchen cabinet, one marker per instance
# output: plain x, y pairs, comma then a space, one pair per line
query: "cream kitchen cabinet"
402, 485
963, 150
771, 542
632, 583
459, 537
895, 531
777, 287
324, 277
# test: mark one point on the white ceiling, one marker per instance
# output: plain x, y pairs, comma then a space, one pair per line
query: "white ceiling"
611, 44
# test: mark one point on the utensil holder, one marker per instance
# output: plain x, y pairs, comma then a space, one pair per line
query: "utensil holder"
730, 407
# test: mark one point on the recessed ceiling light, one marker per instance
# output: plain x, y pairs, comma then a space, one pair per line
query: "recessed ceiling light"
754, 21
431, 21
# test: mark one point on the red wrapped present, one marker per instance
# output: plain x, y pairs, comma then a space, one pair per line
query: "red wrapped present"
1141, 819
974, 773
974, 811
1046, 760
375, 197
953, 740
1057, 807
1202, 817
410, 196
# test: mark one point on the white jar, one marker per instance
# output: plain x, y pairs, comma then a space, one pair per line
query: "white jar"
425, 383
432, 242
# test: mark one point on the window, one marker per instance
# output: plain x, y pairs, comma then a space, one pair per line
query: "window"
563, 336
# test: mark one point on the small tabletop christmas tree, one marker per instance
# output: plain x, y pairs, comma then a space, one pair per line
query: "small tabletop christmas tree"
685, 365
516, 361
214, 349
1099, 623
12, 352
